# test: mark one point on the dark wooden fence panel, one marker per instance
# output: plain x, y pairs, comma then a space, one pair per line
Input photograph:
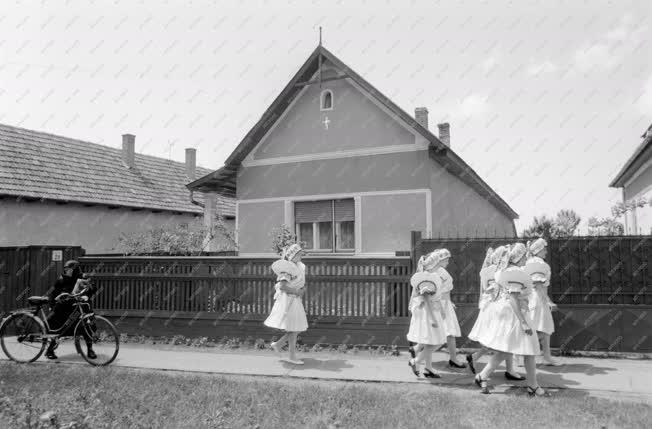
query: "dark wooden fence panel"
585, 270
30, 270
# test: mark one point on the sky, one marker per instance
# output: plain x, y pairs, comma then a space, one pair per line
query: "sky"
546, 99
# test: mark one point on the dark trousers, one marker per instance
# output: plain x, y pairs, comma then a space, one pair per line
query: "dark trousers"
60, 313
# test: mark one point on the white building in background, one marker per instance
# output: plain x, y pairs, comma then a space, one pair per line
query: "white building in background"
635, 179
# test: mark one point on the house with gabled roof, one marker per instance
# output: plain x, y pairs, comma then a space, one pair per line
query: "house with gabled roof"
57, 190
350, 172
635, 180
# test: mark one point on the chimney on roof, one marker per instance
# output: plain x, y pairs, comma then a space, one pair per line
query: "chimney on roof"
421, 115
128, 147
445, 133
191, 163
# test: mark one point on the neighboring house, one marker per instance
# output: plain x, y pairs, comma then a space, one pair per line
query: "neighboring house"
58, 190
635, 179
350, 172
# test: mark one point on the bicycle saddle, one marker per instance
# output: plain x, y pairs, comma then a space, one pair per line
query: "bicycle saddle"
37, 300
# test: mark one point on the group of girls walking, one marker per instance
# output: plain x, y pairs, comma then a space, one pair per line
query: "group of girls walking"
514, 313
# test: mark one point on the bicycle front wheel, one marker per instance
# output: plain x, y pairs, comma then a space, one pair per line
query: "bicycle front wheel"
22, 336
99, 335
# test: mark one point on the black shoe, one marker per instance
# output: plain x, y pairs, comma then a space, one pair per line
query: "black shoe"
429, 374
91, 354
513, 377
469, 360
50, 355
414, 367
456, 365
412, 353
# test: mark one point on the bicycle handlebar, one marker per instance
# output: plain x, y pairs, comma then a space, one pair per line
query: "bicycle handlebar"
71, 295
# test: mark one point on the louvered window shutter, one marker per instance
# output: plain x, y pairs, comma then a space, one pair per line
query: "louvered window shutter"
344, 210
313, 211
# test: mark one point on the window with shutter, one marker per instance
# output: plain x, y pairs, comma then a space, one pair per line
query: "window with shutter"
326, 225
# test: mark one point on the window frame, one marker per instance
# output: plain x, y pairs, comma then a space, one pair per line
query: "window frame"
322, 96
335, 231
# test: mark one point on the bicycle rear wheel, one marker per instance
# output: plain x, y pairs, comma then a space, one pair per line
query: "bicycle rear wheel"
101, 335
22, 336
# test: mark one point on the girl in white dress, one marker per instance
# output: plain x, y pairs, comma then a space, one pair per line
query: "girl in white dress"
451, 324
509, 331
488, 293
541, 305
288, 313
426, 324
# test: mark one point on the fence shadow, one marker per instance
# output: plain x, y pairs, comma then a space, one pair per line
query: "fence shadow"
578, 368
335, 365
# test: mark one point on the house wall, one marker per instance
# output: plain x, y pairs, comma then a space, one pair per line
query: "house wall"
385, 220
366, 152
457, 210
407, 170
639, 220
255, 221
95, 228
355, 122
388, 219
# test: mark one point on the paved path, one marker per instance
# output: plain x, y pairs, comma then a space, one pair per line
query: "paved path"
617, 378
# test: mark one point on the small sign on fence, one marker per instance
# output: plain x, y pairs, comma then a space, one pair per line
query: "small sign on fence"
57, 255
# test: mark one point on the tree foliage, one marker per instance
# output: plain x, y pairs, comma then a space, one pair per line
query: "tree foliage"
282, 236
177, 239
563, 225
605, 226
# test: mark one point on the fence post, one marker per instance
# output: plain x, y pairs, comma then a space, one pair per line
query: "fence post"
415, 249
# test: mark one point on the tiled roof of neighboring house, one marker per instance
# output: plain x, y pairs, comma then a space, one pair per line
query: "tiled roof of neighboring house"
223, 180
641, 155
39, 165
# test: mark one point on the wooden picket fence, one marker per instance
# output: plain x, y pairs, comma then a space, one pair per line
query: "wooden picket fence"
338, 287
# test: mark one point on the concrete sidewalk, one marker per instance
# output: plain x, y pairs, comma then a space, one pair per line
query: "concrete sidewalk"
604, 377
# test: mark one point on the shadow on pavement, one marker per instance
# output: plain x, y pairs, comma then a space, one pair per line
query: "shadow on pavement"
323, 365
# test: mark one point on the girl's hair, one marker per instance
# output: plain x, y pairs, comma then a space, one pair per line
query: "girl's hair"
503, 258
488, 257
420, 264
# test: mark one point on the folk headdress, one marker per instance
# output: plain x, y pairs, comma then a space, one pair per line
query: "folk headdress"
488, 258
291, 251
516, 252
284, 267
534, 247
427, 261
498, 254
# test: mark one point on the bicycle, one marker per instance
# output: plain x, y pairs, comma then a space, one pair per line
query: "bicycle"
28, 330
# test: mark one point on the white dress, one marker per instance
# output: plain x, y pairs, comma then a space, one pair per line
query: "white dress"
503, 331
488, 289
540, 314
450, 321
295, 320
421, 330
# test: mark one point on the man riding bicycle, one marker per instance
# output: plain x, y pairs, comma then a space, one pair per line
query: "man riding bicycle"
71, 281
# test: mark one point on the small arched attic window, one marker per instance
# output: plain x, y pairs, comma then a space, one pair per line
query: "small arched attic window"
326, 100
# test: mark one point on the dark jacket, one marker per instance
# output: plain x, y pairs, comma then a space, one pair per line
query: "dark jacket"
62, 285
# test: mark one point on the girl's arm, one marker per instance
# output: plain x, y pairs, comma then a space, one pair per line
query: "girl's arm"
285, 287
513, 302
